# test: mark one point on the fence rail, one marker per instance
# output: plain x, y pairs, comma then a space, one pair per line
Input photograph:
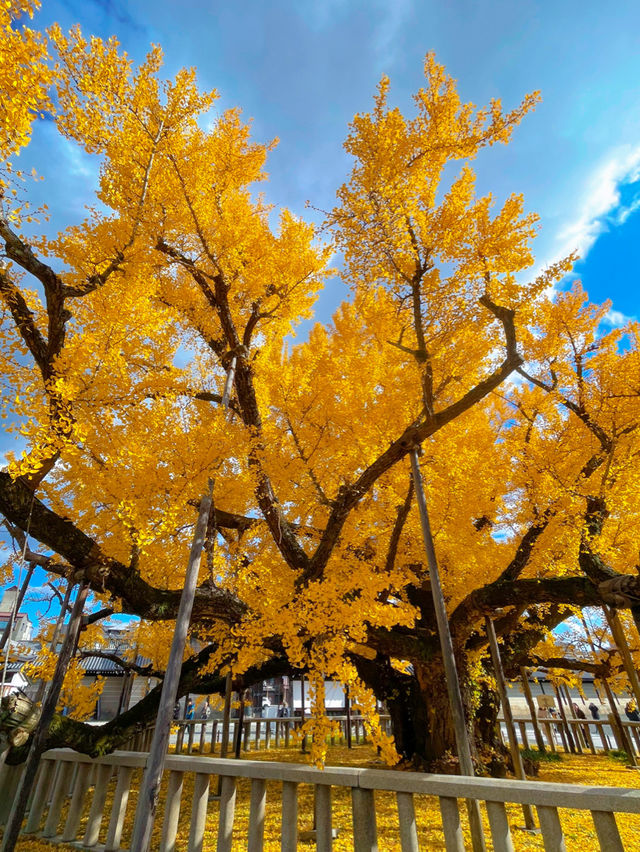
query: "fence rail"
65, 776
581, 736
258, 733
201, 736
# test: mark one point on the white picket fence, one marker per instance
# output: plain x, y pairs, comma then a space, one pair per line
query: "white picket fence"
66, 776
587, 735
257, 733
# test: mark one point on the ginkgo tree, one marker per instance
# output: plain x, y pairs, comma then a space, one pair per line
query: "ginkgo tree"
118, 334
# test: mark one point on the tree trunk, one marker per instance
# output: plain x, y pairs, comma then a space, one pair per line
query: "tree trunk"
421, 719
419, 709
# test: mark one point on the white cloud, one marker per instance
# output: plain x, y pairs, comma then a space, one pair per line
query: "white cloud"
616, 318
600, 200
623, 214
79, 163
598, 208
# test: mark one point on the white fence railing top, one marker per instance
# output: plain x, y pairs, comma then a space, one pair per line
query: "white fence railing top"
544, 793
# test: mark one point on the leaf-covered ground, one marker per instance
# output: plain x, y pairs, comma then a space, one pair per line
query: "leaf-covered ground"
580, 833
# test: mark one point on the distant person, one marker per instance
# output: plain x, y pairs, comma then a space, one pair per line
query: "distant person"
283, 710
190, 710
205, 710
578, 712
593, 709
176, 711
631, 712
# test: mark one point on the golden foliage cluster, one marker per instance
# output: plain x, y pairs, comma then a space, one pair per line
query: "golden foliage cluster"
182, 264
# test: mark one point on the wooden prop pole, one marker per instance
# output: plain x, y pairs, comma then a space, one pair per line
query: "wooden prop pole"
150, 787
619, 637
240, 729
524, 675
518, 768
565, 723
16, 608
19, 807
304, 738
446, 645
619, 730
226, 714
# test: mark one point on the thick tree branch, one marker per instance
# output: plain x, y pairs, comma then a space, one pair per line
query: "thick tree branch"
105, 574
398, 526
578, 591
350, 495
96, 740
577, 409
25, 321
598, 669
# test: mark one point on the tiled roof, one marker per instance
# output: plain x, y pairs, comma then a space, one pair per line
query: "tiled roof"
106, 668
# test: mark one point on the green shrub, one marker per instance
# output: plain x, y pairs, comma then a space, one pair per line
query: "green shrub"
537, 756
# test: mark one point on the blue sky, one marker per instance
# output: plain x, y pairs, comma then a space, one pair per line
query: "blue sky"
300, 69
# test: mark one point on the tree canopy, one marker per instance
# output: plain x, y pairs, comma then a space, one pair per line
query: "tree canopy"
117, 334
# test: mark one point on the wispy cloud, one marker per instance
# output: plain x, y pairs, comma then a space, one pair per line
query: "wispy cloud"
599, 208
615, 319
322, 16
600, 205
392, 19
78, 163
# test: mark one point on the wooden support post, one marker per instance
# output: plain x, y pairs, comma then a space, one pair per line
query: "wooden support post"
57, 799
551, 739
524, 676
239, 731
322, 812
446, 644
565, 723
518, 767
451, 825
199, 811
347, 707
226, 714
92, 831
618, 728
119, 809
407, 822
619, 637
227, 813
304, 738
364, 820
42, 729
40, 797
255, 841
289, 829
150, 786
6, 633
571, 714
523, 733
77, 802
